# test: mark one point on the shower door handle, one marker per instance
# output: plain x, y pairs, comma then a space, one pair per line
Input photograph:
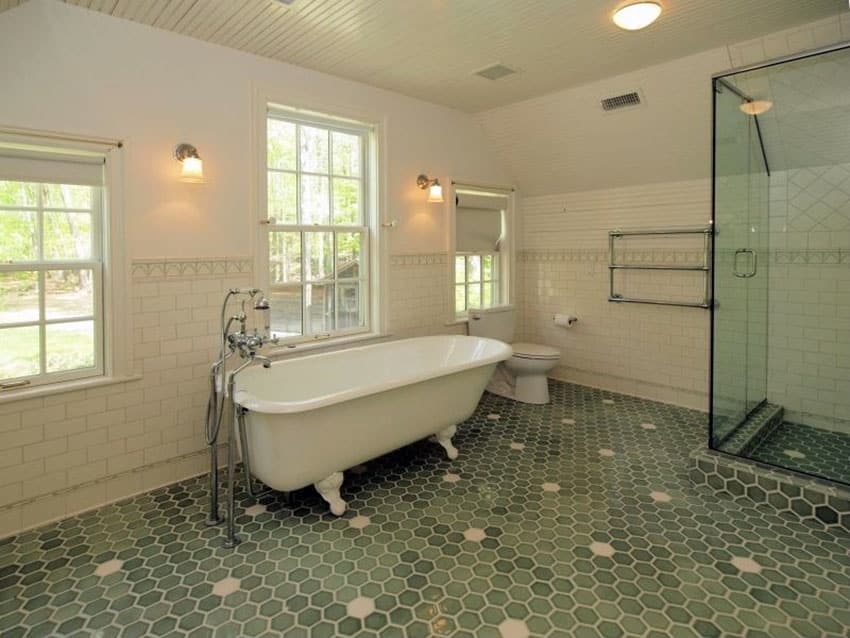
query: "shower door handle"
755, 261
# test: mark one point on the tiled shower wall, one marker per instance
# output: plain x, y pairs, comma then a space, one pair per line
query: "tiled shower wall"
658, 352
69, 452
809, 292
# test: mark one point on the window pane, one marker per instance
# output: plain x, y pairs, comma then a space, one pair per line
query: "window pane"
346, 154
487, 267
67, 196
474, 268
19, 355
68, 293
18, 297
281, 145
314, 149
474, 296
460, 270
286, 312
348, 255
346, 201
282, 198
350, 306
18, 236
18, 194
320, 308
487, 294
67, 235
460, 298
284, 257
70, 346
315, 208
319, 258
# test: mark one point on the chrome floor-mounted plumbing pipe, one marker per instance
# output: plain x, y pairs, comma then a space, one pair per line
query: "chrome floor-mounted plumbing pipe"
221, 402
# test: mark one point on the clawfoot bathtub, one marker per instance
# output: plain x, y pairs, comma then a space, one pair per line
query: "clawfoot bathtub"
313, 417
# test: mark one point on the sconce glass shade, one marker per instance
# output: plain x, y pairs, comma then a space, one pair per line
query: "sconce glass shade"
435, 194
192, 170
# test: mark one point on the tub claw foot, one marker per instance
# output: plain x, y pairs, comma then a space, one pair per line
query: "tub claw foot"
328, 489
444, 438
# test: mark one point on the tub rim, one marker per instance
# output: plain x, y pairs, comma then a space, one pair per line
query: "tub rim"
244, 398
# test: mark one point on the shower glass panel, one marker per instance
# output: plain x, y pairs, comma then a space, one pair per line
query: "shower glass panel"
781, 264
740, 268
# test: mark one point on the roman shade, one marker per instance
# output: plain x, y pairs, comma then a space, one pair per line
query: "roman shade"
478, 223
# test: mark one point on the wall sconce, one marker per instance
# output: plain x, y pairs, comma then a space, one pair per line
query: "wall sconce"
192, 169
435, 191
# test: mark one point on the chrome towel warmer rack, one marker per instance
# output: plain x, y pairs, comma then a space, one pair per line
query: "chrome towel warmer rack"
704, 267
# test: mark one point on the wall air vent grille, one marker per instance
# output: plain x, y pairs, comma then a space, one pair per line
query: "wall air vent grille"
621, 101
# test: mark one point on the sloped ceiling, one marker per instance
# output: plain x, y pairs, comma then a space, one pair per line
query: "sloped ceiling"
809, 124
430, 48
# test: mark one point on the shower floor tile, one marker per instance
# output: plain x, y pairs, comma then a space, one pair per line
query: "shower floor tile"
806, 449
572, 519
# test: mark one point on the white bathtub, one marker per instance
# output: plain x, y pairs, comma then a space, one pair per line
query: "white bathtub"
312, 417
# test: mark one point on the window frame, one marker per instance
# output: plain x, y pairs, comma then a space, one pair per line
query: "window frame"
506, 255
373, 257
114, 330
494, 281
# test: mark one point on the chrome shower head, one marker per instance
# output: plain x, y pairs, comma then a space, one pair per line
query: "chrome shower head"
262, 304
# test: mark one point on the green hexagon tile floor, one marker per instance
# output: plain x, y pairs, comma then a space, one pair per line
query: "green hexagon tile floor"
572, 519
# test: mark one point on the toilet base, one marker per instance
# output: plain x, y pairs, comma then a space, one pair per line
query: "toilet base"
532, 389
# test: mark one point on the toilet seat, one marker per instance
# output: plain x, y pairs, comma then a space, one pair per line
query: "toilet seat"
535, 351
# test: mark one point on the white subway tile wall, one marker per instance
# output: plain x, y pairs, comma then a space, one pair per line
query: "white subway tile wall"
809, 295
658, 352
68, 452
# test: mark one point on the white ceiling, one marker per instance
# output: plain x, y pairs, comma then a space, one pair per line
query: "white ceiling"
430, 48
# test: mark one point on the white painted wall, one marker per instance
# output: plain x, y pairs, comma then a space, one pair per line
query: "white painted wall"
98, 75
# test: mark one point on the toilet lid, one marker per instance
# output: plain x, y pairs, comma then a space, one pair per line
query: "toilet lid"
534, 351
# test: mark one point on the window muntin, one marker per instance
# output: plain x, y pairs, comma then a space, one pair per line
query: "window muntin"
477, 281
318, 227
51, 269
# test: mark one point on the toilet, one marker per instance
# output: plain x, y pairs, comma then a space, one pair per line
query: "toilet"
523, 376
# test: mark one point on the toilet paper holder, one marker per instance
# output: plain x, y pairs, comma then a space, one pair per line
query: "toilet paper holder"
566, 321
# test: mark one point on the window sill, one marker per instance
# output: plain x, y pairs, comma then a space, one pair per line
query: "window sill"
326, 344
50, 389
457, 322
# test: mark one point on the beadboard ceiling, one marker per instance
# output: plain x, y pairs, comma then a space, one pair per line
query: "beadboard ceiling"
430, 48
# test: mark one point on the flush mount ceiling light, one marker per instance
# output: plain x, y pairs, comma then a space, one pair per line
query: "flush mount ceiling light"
637, 15
756, 107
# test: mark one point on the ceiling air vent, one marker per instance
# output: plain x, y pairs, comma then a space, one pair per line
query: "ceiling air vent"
621, 101
495, 72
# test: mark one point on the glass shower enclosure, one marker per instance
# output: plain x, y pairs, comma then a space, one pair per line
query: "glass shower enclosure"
780, 369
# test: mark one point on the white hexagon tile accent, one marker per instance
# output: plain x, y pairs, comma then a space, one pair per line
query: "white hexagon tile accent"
568, 421
660, 497
746, 565
475, 534
109, 567
255, 510
551, 487
648, 426
513, 628
608, 401
360, 607
494, 417
517, 446
601, 549
359, 522
794, 454
451, 477
606, 452
226, 586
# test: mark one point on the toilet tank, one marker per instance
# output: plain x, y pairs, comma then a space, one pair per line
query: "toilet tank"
493, 323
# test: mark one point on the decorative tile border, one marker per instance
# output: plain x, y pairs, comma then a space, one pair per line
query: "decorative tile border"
423, 259
838, 256
808, 499
143, 269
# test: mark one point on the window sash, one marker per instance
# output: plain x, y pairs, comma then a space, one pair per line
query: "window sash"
363, 227
493, 282
41, 265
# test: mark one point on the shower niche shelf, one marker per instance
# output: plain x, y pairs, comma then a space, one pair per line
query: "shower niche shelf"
703, 267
